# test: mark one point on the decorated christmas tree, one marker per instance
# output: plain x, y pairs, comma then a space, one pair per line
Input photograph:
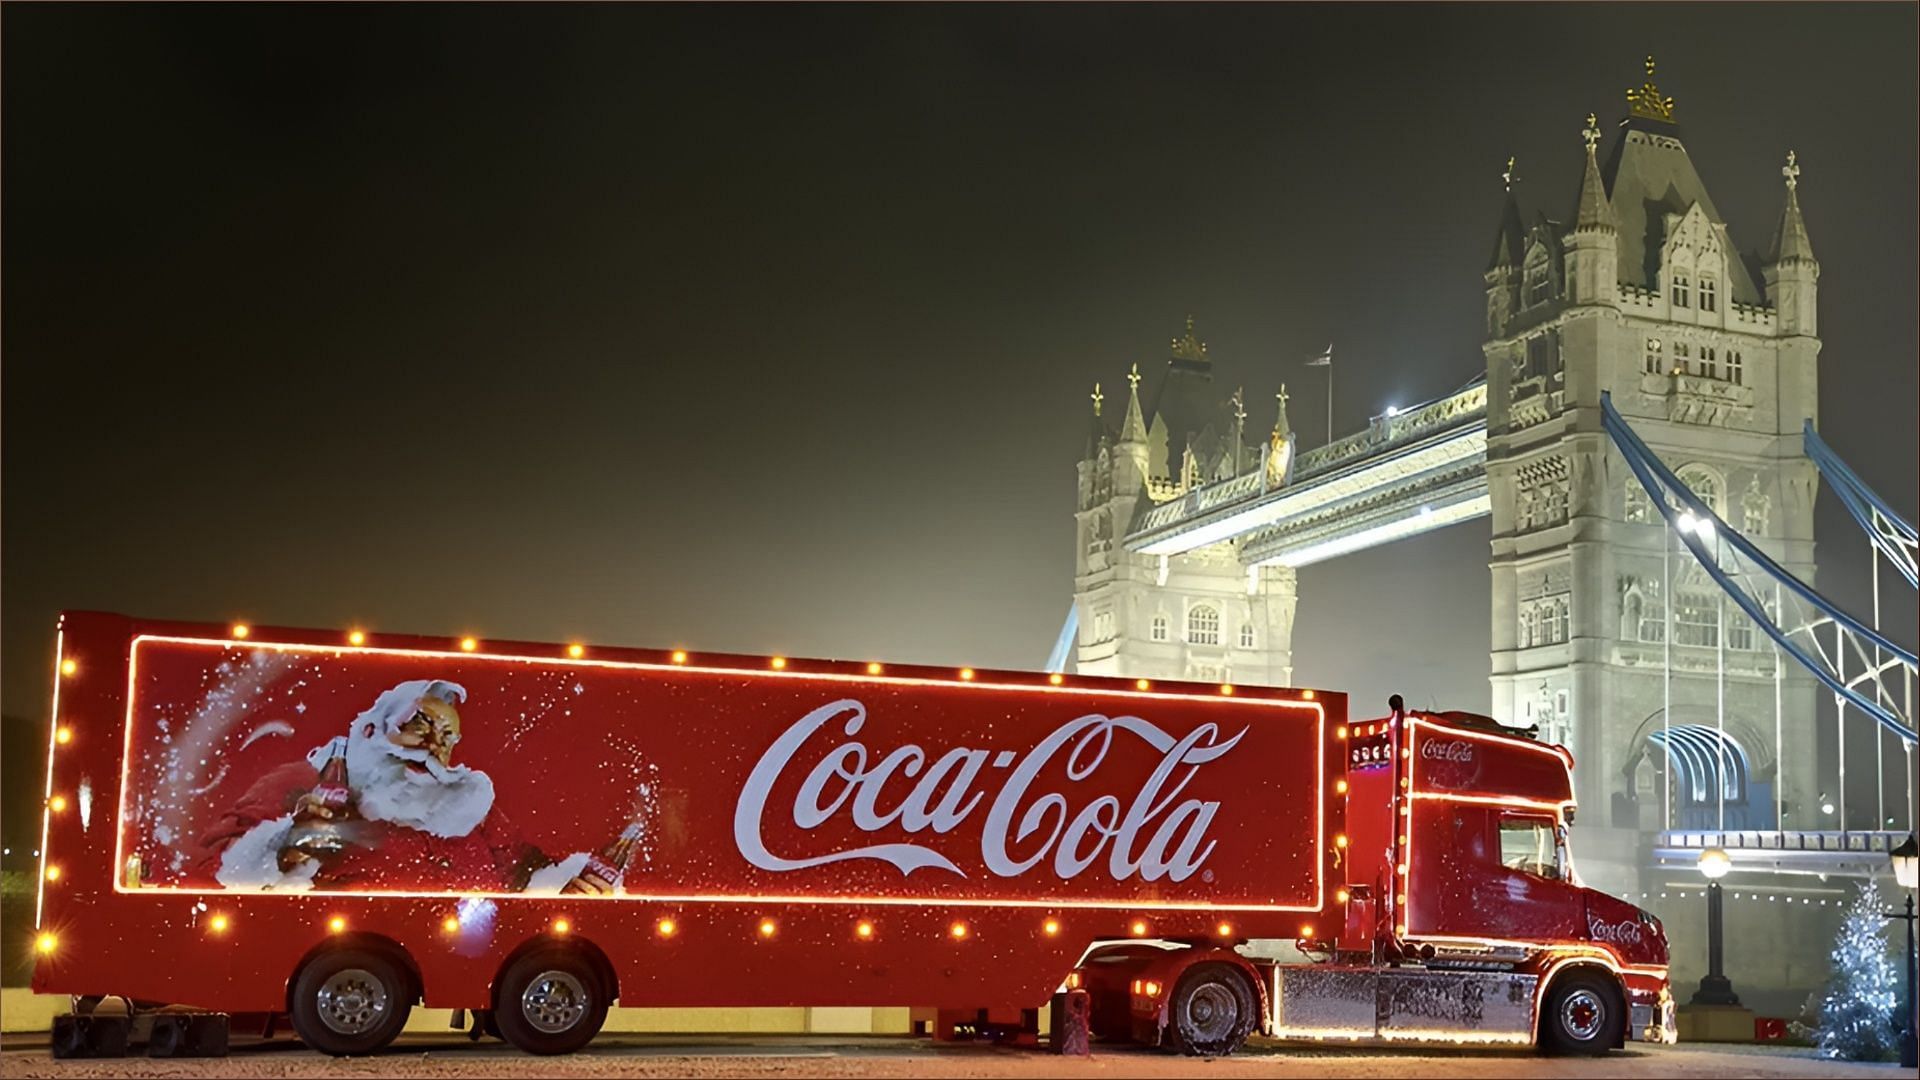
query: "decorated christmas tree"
1857, 1017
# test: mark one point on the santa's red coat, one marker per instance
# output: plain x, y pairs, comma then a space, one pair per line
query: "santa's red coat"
491, 858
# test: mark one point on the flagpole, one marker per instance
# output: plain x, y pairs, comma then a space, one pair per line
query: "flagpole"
1329, 395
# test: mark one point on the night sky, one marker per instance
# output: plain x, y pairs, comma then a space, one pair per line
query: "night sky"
771, 329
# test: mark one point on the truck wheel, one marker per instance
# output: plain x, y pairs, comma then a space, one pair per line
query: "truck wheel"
550, 1001
350, 1001
1581, 1015
1211, 1012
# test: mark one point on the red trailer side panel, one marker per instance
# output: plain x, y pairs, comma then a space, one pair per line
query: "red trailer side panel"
458, 802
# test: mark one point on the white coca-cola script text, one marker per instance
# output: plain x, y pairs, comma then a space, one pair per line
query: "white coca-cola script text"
1459, 750
1147, 834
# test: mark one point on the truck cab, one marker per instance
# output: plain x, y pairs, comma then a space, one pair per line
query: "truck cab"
1461, 919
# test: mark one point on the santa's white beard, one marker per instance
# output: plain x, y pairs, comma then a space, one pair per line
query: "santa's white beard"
253, 860
442, 801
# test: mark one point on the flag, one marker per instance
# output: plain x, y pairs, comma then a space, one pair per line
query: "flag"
1325, 359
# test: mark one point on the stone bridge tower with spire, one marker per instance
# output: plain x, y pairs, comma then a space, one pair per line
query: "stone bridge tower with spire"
1203, 615
1711, 355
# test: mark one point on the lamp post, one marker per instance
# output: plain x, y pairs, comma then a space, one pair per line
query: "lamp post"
1715, 987
1906, 871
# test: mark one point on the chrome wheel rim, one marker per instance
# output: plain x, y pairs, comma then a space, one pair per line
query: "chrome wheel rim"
1209, 1013
555, 1001
352, 1002
1582, 1014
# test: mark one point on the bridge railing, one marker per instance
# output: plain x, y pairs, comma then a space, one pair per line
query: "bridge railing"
1783, 840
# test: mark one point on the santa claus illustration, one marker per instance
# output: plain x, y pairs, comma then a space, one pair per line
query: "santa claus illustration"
382, 806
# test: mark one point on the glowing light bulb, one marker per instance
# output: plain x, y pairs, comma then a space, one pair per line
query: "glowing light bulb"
1143, 684
576, 651
468, 644
1051, 927
778, 662
1227, 689
1340, 732
863, 930
241, 630
966, 674
767, 928
53, 873
1306, 930
562, 926
679, 656
218, 924
1340, 840
1138, 929
873, 669
1056, 678
666, 928
451, 924
336, 924
1340, 896
69, 667
45, 943
1224, 929
958, 931
1306, 695
57, 804
1340, 787
356, 638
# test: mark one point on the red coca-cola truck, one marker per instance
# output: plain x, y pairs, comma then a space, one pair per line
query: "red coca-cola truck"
332, 826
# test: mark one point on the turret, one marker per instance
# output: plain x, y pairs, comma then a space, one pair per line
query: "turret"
1792, 273
1592, 248
1503, 268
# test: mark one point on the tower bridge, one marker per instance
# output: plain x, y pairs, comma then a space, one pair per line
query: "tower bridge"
1642, 441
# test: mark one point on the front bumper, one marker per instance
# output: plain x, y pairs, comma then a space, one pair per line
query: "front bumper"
1653, 1021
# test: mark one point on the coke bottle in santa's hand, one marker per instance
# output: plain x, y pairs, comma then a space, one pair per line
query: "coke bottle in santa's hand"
607, 867
320, 818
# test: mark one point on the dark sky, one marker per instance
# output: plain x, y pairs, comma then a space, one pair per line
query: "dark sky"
769, 329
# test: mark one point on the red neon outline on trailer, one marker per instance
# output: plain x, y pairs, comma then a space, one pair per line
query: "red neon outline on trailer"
1318, 888
46, 799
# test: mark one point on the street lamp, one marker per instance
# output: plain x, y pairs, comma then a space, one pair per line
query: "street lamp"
1906, 871
1715, 987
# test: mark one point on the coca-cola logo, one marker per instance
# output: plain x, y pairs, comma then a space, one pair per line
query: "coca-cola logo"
1624, 932
1459, 750
1146, 833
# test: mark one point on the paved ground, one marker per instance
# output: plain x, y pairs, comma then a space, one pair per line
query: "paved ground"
801, 1057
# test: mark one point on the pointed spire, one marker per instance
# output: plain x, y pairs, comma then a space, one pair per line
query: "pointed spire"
1134, 427
1790, 242
1281, 429
1595, 212
1097, 434
1279, 457
1510, 241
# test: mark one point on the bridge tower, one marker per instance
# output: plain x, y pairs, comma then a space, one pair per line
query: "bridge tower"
1201, 615
1712, 356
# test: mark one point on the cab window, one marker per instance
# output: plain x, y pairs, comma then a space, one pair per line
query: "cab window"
1528, 844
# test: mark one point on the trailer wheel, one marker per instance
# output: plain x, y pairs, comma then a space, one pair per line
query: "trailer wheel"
350, 1001
1581, 1014
550, 1001
1211, 1012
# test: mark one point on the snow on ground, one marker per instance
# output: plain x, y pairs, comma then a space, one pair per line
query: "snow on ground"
796, 1058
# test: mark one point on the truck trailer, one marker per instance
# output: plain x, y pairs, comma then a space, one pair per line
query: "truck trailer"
327, 827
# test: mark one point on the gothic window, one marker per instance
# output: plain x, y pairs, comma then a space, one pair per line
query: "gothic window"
1709, 362
1754, 506
1736, 371
1654, 365
1557, 628
1653, 616
1539, 284
1708, 293
1696, 619
1543, 353
1103, 626
1203, 626
1159, 628
1631, 608
1680, 290
1740, 633
1637, 508
1246, 635
1679, 358
1707, 487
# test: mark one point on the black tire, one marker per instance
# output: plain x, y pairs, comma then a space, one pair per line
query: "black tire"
550, 1001
350, 1001
1583, 1015
1212, 1011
